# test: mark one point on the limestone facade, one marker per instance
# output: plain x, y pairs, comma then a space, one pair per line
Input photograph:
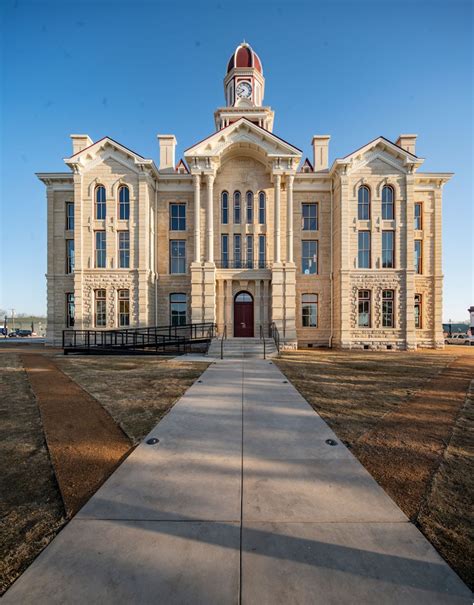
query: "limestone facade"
244, 213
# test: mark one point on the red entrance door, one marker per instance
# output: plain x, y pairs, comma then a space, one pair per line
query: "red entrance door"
243, 315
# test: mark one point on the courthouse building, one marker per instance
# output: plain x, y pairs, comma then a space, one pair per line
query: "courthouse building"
244, 231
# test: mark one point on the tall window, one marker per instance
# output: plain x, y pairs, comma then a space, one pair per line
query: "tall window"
387, 203
262, 251
249, 251
178, 217
249, 207
224, 208
178, 309
418, 311
309, 257
237, 251
237, 208
261, 207
309, 310
100, 252
100, 207
363, 206
418, 224
70, 310
100, 308
225, 251
388, 249
387, 308
363, 260
69, 256
418, 260
309, 217
124, 307
70, 216
124, 203
364, 309
124, 249
177, 256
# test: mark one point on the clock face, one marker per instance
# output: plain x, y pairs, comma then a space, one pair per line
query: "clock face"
244, 89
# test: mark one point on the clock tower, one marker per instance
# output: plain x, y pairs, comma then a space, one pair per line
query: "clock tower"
244, 87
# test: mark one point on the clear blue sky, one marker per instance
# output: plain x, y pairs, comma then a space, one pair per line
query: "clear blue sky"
130, 70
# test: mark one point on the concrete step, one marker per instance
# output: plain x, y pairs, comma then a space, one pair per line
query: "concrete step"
235, 348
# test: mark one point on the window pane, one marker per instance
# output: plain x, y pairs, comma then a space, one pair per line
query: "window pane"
178, 309
100, 251
387, 308
249, 251
261, 251
309, 217
309, 310
364, 250
70, 256
100, 308
249, 207
417, 256
70, 216
418, 217
178, 217
124, 249
177, 256
388, 260
237, 207
70, 310
387, 203
309, 259
237, 252
261, 207
124, 307
363, 207
225, 251
225, 207
124, 203
364, 309
100, 205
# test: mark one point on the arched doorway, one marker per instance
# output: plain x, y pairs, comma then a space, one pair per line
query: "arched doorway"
243, 314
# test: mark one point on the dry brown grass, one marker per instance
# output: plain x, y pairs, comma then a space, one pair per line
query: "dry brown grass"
136, 391
408, 420
31, 508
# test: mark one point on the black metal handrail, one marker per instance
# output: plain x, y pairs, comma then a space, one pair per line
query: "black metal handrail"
131, 339
262, 335
224, 336
242, 264
275, 335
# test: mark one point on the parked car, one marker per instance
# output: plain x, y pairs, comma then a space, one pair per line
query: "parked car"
24, 333
459, 339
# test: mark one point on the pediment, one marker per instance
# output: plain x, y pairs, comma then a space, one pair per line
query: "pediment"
379, 163
242, 132
101, 151
381, 156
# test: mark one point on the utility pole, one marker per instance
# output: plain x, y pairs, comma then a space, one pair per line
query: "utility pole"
13, 320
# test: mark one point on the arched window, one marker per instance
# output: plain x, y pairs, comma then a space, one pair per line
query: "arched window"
224, 208
100, 202
387, 203
363, 207
261, 207
237, 208
124, 203
249, 207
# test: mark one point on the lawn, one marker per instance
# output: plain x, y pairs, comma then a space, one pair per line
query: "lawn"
409, 419
135, 391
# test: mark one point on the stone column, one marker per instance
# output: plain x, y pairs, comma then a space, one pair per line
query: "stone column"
409, 298
197, 218
257, 308
438, 338
210, 218
229, 309
266, 319
276, 226
289, 218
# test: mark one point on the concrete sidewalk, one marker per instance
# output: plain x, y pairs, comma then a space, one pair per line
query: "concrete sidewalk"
241, 500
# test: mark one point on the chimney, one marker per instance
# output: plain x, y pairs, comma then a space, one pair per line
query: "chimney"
167, 143
321, 152
407, 142
80, 142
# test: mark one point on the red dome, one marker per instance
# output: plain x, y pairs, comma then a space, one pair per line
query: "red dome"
244, 56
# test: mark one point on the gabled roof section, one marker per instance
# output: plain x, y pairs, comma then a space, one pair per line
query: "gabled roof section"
242, 131
181, 167
381, 145
306, 166
91, 153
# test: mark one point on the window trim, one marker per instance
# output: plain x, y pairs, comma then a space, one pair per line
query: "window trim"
178, 302
316, 254
316, 216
